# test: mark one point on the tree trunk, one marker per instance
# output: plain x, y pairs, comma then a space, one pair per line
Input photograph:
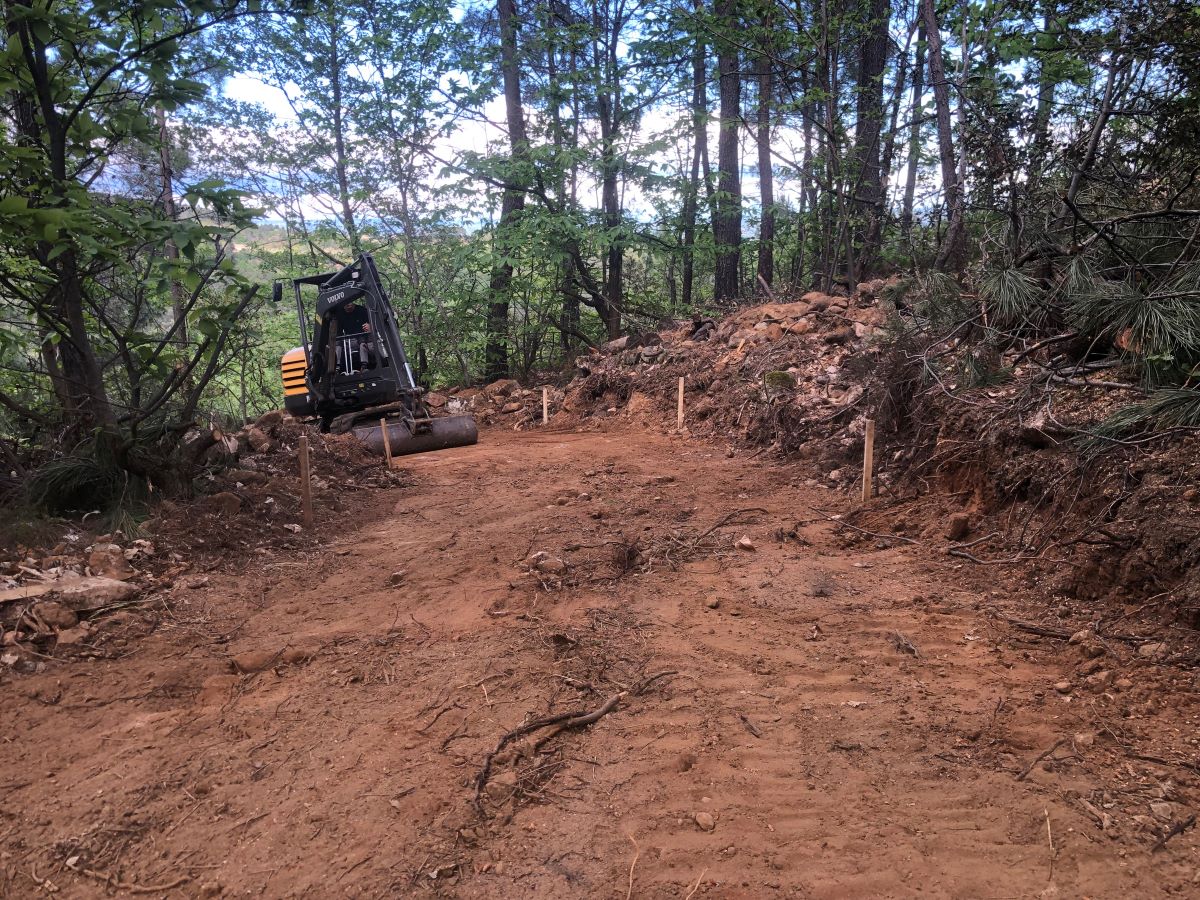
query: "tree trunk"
340, 158
766, 177
691, 200
167, 178
727, 223
500, 285
914, 135
952, 255
889, 144
868, 197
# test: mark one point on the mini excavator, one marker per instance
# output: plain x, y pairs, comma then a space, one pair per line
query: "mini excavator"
354, 372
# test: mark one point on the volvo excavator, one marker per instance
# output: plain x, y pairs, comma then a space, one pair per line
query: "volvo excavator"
353, 371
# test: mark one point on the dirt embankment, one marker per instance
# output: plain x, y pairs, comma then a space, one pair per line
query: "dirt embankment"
1099, 529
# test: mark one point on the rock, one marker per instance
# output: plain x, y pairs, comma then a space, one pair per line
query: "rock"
254, 661
55, 614
712, 602
1080, 636
502, 387
800, 326
258, 440
958, 527
294, 655
1152, 649
1162, 810
108, 561
70, 636
1039, 433
744, 543
547, 564
1122, 684
97, 591
705, 821
397, 578
1099, 680
776, 383
226, 504
514, 406
1063, 687
617, 345
502, 784
435, 400
211, 889
1084, 739
269, 419
843, 335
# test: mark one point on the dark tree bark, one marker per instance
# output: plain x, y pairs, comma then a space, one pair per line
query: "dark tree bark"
691, 200
869, 195
914, 135
341, 159
952, 254
727, 223
766, 176
512, 202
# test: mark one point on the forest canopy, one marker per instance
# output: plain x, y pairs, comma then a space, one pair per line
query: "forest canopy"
535, 178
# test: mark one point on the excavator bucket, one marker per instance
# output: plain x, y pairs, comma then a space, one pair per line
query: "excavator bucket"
433, 434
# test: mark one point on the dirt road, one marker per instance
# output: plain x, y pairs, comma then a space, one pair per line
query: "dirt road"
834, 721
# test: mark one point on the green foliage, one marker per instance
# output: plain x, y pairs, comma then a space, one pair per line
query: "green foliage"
1164, 410
1012, 299
92, 477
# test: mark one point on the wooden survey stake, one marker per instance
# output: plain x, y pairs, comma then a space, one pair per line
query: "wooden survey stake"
545, 406
387, 443
679, 412
869, 461
305, 482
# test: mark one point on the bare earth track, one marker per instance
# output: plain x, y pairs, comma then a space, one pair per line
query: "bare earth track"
832, 722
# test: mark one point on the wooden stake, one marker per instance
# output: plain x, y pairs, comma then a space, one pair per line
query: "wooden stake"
545, 406
305, 482
387, 443
679, 413
869, 462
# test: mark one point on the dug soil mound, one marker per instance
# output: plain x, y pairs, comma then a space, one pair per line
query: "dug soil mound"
1014, 469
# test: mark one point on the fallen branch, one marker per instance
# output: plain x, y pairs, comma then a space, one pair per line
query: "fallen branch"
1178, 828
986, 537
874, 534
1045, 753
564, 721
750, 726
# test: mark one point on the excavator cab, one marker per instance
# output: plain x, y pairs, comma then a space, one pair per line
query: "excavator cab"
354, 371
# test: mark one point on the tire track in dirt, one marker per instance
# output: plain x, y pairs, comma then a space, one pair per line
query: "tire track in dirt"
832, 761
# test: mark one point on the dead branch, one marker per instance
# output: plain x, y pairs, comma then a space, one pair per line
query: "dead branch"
750, 726
1178, 828
882, 536
1045, 753
564, 721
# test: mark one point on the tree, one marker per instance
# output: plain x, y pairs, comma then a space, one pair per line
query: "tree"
727, 219
951, 256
